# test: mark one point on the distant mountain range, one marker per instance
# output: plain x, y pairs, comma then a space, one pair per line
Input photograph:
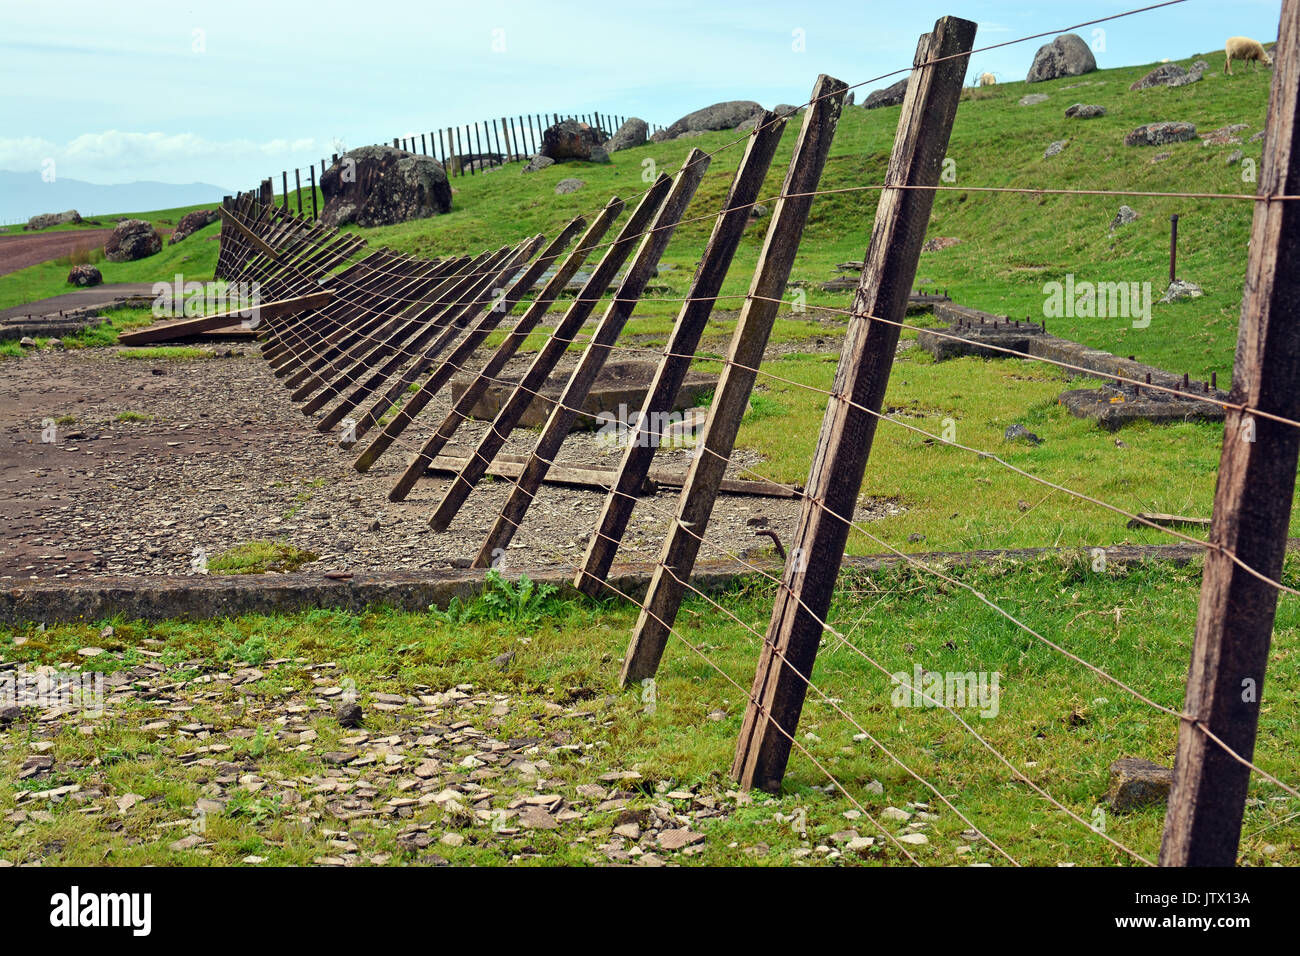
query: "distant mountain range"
23, 195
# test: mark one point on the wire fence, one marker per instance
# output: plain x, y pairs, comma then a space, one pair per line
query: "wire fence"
392, 330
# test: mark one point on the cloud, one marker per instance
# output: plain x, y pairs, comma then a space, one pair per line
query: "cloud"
118, 156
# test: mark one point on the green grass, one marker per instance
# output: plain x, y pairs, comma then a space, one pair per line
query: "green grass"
133, 417
260, 557
1057, 722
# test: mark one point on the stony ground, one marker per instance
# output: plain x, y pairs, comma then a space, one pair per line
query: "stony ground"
114, 464
285, 762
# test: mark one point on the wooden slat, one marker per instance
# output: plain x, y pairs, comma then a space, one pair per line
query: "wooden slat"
643, 440
505, 351
731, 398
170, 331
550, 354
565, 413
1252, 506
835, 480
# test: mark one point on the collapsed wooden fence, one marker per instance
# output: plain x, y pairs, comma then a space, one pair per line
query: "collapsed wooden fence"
366, 339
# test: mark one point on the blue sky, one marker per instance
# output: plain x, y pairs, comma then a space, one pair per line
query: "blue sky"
230, 92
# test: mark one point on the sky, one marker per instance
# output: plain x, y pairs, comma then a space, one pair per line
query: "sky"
231, 92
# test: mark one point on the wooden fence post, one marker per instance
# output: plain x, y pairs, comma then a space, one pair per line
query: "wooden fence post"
715, 442
285, 176
297, 185
831, 493
1252, 506
313, 193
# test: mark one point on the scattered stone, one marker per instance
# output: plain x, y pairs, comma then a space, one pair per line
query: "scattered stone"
1235, 157
538, 162
84, 275
186, 843
349, 714
452, 840
536, 818
1225, 135
1084, 111
631, 134
890, 96
1019, 432
1160, 134
1125, 216
1166, 74
90, 651
1033, 99
1136, 783
132, 239
568, 186
1160, 157
939, 243
1055, 147
191, 223
1181, 289
916, 839
679, 839
719, 116
895, 814
45, 220
1067, 55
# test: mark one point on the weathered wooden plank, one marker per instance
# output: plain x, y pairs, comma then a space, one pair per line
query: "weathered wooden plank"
1252, 505
264, 311
566, 412
505, 351
490, 317
715, 442
817, 548
550, 353
643, 440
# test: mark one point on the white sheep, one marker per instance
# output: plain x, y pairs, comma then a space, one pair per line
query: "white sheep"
1244, 49
988, 79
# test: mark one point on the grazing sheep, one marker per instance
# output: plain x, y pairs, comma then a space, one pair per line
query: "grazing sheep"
1244, 48
988, 79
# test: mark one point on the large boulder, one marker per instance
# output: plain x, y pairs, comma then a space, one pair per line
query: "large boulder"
45, 220
380, 185
1170, 74
84, 275
571, 141
132, 239
719, 116
1067, 55
192, 222
538, 162
889, 96
632, 133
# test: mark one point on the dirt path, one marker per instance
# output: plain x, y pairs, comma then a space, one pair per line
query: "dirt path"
225, 458
19, 252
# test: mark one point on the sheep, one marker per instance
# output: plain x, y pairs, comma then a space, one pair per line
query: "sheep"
988, 79
1244, 49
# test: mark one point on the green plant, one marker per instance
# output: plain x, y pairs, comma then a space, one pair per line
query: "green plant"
253, 649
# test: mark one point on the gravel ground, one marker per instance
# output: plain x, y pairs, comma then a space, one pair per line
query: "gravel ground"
226, 458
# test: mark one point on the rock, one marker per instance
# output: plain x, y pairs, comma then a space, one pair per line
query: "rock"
1125, 216
452, 840
192, 222
84, 275
788, 109
572, 141
538, 162
536, 818
1235, 157
1017, 432
915, 839
1158, 134
1179, 289
45, 220
895, 814
349, 714
380, 185
726, 115
679, 839
1163, 75
1067, 55
1257, 137
8, 714
132, 239
568, 186
1084, 111
1136, 783
1033, 99
889, 96
1160, 157
632, 133
1055, 148
186, 843
27, 342
90, 651
757, 211
939, 243
1224, 135
848, 100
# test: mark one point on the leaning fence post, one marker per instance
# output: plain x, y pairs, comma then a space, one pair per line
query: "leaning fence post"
835, 479
1252, 507
285, 176
297, 184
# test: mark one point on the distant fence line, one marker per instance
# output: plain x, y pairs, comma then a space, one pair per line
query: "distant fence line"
462, 150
